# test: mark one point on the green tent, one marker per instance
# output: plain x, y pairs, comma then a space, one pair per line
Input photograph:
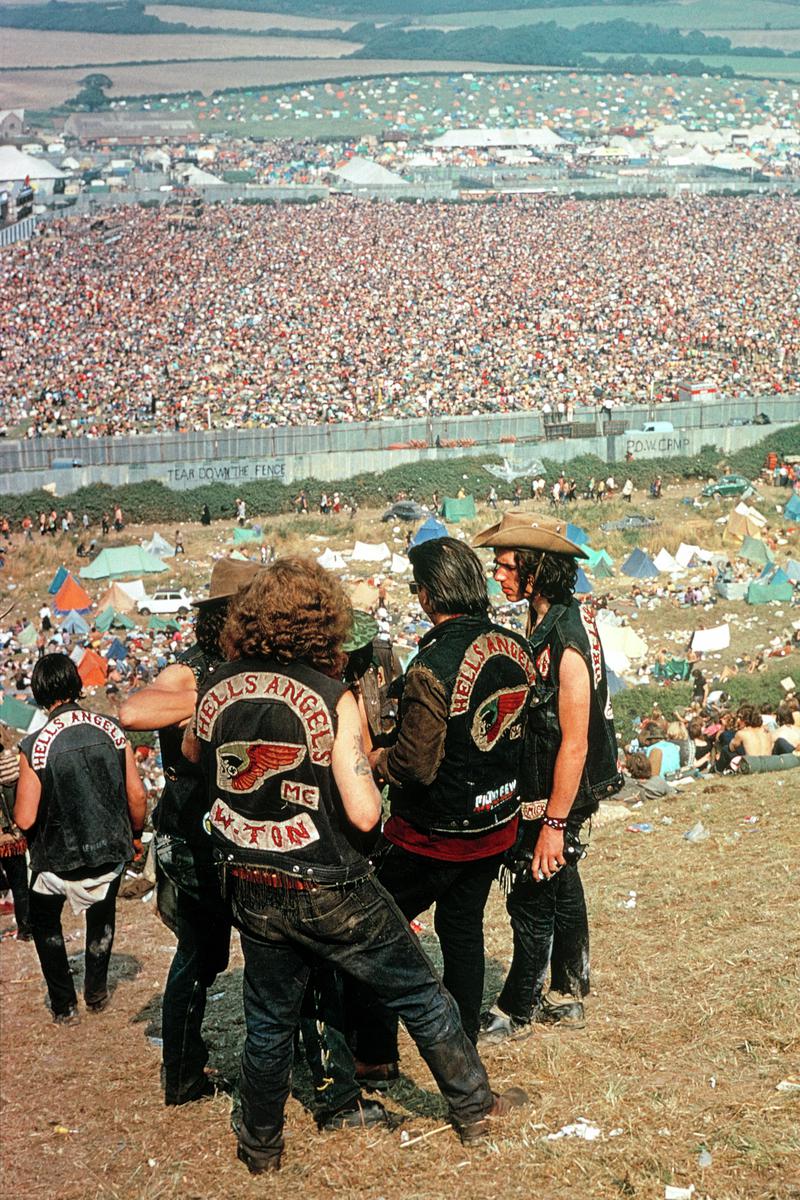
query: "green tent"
245, 535
16, 713
159, 625
117, 561
104, 619
602, 570
459, 510
28, 636
593, 557
770, 593
673, 668
755, 551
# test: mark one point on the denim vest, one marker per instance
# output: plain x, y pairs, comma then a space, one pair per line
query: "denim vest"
266, 731
569, 627
486, 672
83, 819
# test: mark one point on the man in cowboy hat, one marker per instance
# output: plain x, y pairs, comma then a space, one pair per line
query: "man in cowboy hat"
570, 764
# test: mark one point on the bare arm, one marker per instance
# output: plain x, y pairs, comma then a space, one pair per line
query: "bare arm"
29, 793
137, 799
574, 696
351, 769
169, 700
190, 746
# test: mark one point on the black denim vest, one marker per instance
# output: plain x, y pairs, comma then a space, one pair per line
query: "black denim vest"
83, 819
266, 731
486, 672
573, 627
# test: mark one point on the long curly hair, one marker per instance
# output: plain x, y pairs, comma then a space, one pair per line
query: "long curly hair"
294, 609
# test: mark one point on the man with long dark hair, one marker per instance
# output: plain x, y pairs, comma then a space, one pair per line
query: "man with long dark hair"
570, 764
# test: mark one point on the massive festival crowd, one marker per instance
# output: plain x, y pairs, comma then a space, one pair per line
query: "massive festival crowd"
349, 310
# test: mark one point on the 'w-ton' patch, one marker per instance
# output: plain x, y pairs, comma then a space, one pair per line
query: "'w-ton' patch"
494, 716
243, 766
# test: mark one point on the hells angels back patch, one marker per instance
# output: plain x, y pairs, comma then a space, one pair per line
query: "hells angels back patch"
494, 716
244, 766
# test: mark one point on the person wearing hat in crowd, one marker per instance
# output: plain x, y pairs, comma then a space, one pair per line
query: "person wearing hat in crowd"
570, 765
189, 898
372, 669
453, 773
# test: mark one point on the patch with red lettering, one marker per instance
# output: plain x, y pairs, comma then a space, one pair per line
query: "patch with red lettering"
476, 656
247, 686
280, 836
242, 767
496, 714
595, 647
543, 664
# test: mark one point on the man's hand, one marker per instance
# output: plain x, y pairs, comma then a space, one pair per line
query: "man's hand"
548, 853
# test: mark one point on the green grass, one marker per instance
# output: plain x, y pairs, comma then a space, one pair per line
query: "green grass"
758, 68
696, 14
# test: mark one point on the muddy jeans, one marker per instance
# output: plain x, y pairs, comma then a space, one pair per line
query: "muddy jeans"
551, 933
358, 928
48, 937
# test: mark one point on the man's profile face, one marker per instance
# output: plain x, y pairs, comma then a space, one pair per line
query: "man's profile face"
506, 572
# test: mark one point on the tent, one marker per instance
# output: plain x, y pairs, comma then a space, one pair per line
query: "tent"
399, 564
116, 561
665, 562
159, 546
429, 530
331, 560
770, 593
792, 509
577, 535
602, 570
639, 565
17, 714
773, 574
57, 580
685, 553
109, 619
672, 669
116, 651
74, 623
71, 596
245, 535
371, 552
159, 625
28, 636
582, 585
755, 551
459, 510
116, 598
734, 590
706, 641
744, 522
621, 645
792, 570
364, 595
615, 684
92, 669
593, 557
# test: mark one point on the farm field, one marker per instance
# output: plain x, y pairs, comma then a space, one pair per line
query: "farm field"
756, 68
694, 14
225, 18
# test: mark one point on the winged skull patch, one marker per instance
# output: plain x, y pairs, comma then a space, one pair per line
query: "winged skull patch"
494, 716
244, 766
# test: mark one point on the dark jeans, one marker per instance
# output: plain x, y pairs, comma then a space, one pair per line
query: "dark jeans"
551, 932
460, 891
204, 935
48, 938
325, 1046
358, 929
15, 869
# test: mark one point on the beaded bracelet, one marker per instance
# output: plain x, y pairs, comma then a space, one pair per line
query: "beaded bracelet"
559, 823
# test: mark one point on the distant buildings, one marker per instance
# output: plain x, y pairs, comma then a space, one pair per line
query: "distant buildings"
130, 128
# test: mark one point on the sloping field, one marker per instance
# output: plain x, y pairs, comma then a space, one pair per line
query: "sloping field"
694, 14
225, 18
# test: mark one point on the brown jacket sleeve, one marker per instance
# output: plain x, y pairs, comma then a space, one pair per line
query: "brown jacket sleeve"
417, 754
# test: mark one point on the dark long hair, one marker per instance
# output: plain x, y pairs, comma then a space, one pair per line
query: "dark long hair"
556, 575
452, 575
55, 679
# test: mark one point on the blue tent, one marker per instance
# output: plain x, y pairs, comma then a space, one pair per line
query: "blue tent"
74, 623
639, 565
428, 531
57, 580
793, 570
577, 535
773, 574
116, 650
582, 585
792, 509
615, 684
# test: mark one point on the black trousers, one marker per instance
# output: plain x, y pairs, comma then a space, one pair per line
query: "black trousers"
15, 869
460, 891
48, 938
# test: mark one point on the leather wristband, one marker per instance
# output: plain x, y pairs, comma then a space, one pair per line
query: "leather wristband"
559, 823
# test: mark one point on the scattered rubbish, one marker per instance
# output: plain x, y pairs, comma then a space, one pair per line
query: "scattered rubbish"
406, 1139
698, 833
788, 1085
678, 1193
156, 1041
640, 827
217, 996
62, 1129
152, 1162
704, 1159
582, 1129
667, 820
630, 902
750, 820
417, 927
712, 1083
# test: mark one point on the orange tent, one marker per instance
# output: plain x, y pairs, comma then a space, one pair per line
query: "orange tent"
92, 669
71, 596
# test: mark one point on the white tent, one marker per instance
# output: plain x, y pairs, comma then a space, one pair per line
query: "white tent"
363, 172
621, 645
331, 560
159, 546
685, 553
665, 562
707, 640
16, 166
399, 564
134, 587
454, 139
371, 552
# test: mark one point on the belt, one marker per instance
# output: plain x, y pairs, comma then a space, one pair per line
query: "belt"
273, 879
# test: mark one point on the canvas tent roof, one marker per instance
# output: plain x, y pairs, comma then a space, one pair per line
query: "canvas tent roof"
363, 172
71, 596
74, 623
792, 569
116, 561
371, 552
665, 562
621, 645
364, 595
602, 570
770, 593
159, 546
429, 530
593, 557
792, 509
577, 535
245, 535
28, 636
755, 551
92, 669
116, 650
16, 166
459, 510
582, 585
160, 625
117, 598
745, 521
331, 560
639, 565
57, 580
399, 564
19, 715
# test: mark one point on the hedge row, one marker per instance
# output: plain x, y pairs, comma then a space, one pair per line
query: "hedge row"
155, 502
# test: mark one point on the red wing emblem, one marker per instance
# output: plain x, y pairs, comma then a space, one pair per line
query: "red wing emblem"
496, 714
242, 766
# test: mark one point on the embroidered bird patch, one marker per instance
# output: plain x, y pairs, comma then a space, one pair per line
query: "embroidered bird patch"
494, 716
243, 766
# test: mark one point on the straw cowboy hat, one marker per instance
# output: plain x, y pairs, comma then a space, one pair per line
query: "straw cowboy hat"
528, 531
228, 577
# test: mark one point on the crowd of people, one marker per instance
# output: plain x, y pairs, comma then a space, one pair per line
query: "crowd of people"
350, 311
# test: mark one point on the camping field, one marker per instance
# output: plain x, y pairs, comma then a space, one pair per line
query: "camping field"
688, 1070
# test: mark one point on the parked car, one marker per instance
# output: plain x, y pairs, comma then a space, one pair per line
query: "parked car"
406, 510
729, 485
165, 602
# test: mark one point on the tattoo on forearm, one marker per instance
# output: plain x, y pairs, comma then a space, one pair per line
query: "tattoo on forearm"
361, 762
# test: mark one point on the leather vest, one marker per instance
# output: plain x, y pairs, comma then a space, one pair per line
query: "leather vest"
573, 627
266, 731
83, 820
486, 672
